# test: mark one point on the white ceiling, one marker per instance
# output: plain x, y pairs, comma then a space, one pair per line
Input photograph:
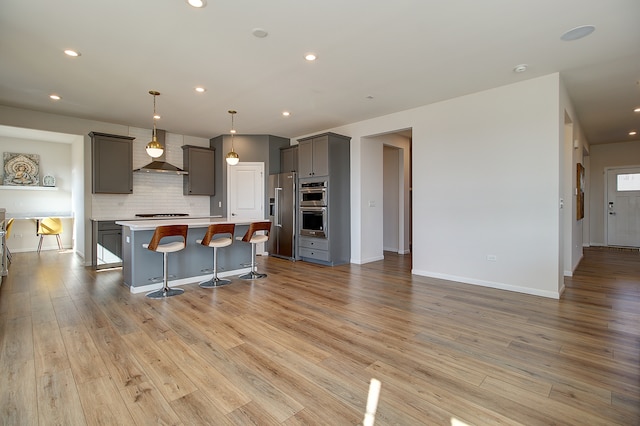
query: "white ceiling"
403, 54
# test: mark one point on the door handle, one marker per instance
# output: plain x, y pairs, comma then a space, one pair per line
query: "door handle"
277, 207
612, 213
233, 214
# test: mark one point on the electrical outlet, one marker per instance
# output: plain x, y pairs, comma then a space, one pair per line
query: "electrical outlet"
492, 257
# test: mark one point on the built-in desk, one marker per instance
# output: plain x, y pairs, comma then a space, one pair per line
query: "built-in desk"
142, 268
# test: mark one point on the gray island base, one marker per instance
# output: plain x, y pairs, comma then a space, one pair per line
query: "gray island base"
142, 268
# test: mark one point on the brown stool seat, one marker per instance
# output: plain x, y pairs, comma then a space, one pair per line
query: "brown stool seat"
166, 248
254, 239
208, 240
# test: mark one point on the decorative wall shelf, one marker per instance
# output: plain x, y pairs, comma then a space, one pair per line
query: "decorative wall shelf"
30, 188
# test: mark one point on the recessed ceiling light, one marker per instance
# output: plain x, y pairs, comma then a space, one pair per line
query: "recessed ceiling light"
637, 109
260, 32
633, 133
578, 32
71, 52
156, 116
310, 57
197, 3
520, 68
286, 113
55, 97
200, 89
369, 97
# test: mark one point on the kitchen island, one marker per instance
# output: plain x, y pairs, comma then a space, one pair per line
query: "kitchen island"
142, 268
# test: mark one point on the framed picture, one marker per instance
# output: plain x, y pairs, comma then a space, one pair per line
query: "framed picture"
580, 192
21, 169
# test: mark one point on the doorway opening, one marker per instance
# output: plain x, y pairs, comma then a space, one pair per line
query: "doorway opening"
396, 193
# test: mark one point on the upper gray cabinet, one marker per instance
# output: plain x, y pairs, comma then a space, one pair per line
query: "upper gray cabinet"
318, 155
112, 163
313, 156
289, 159
200, 163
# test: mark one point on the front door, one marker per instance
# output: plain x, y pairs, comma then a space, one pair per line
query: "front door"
623, 207
245, 189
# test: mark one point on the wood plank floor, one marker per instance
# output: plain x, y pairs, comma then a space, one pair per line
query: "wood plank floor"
301, 346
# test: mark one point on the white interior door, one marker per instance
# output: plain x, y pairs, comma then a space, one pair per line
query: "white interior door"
623, 207
245, 191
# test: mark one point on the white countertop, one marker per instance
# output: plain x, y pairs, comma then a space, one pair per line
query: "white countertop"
145, 225
131, 218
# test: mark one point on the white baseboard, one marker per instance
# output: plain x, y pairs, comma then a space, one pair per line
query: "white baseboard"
490, 284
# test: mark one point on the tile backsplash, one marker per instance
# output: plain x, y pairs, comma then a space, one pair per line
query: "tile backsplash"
153, 192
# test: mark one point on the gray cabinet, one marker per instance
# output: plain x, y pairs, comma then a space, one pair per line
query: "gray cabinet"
326, 158
112, 164
200, 163
313, 156
106, 251
289, 159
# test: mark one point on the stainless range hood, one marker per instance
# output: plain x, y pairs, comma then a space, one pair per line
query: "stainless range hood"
159, 165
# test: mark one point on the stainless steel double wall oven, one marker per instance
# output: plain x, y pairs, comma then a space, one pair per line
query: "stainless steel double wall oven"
313, 209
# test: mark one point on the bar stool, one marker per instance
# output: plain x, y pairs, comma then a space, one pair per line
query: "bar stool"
254, 239
170, 247
50, 226
209, 241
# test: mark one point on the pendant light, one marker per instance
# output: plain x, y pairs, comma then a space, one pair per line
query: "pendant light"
154, 149
232, 157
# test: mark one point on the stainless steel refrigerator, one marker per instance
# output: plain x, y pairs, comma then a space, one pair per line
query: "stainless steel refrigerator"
282, 213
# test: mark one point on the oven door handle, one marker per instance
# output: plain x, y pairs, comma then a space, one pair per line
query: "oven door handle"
312, 209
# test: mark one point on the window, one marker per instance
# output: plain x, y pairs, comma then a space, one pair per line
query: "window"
628, 182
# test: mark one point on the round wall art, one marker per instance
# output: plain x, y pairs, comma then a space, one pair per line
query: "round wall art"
21, 169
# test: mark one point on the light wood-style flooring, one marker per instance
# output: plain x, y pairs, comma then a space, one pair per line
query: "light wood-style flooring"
300, 347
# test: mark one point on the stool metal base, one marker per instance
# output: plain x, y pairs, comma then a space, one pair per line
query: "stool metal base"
252, 276
164, 292
216, 282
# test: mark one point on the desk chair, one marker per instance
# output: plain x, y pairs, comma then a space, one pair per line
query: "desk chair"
6, 238
50, 226
254, 239
209, 241
170, 247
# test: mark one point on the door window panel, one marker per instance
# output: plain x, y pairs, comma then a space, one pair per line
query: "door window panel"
628, 182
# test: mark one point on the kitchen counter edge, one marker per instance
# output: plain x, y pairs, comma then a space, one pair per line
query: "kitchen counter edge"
142, 225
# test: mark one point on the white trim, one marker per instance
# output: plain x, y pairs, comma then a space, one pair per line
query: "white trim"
490, 284
368, 260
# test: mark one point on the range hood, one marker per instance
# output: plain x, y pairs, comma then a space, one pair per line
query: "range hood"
159, 165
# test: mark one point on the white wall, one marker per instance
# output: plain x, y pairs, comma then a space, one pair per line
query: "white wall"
486, 181
602, 156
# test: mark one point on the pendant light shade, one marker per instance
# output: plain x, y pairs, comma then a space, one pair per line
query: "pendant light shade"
232, 157
154, 149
